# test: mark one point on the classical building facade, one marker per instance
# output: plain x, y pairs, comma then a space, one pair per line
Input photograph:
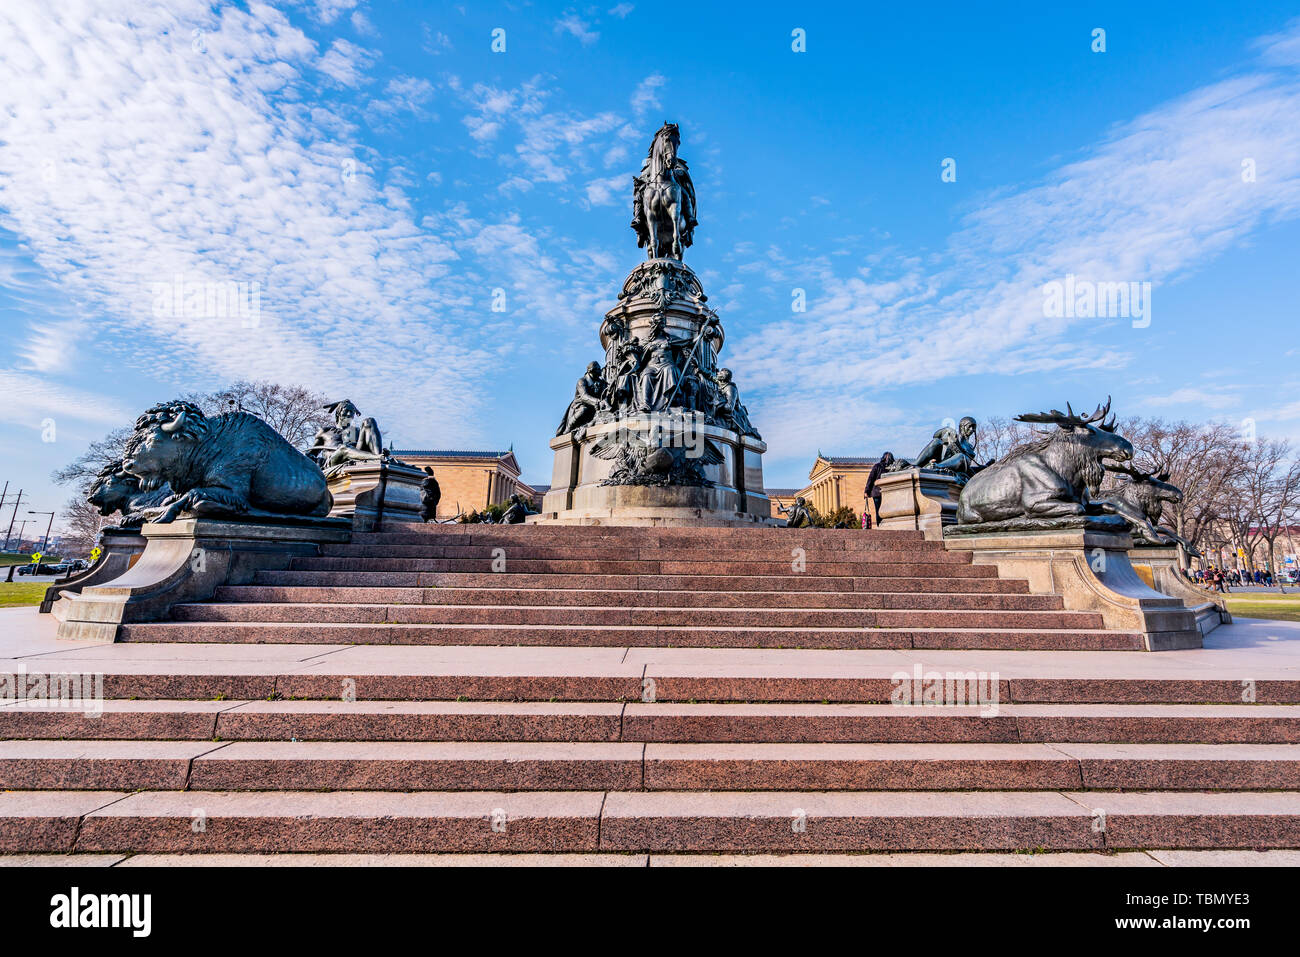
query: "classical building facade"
833, 481
470, 480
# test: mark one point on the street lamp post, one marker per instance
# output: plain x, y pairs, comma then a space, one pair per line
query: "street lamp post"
48, 525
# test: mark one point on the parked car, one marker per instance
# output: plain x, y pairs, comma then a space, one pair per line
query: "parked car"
44, 568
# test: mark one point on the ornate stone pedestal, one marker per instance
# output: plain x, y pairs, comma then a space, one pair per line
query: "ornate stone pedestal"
187, 560
918, 499
582, 493
715, 476
119, 550
1157, 566
1086, 562
372, 493
658, 436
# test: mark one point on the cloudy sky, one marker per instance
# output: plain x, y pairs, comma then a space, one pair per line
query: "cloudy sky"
377, 176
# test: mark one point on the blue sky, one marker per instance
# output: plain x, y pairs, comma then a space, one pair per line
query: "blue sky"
378, 171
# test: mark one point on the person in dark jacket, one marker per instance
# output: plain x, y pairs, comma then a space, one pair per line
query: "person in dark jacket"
871, 492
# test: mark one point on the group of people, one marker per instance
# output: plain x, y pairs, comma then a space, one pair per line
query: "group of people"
663, 372
1218, 579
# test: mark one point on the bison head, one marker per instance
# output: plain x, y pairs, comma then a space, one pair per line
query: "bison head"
113, 489
164, 439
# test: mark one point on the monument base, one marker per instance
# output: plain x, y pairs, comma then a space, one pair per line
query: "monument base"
371, 493
119, 550
1088, 566
1158, 566
188, 560
918, 500
731, 463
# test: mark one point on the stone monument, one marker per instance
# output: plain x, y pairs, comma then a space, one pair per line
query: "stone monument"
921, 495
367, 483
659, 435
241, 499
1154, 555
1037, 514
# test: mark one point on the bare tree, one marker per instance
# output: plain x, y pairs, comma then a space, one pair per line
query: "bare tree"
998, 435
1274, 498
82, 524
294, 411
1200, 460
83, 470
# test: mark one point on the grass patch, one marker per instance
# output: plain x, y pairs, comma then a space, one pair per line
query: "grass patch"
1259, 605
21, 558
13, 594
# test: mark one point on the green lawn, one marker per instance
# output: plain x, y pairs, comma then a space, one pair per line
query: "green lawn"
1259, 605
21, 558
13, 594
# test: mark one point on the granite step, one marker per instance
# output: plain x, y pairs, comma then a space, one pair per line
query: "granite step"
485, 673
565, 766
787, 617
603, 547
640, 821
632, 598
929, 567
720, 537
935, 553
658, 722
648, 636
982, 581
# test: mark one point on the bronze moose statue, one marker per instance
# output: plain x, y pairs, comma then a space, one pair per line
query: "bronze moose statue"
1141, 501
1056, 477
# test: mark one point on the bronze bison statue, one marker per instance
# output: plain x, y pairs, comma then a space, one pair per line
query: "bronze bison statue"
228, 464
116, 490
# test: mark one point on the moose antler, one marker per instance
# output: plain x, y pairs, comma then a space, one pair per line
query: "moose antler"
1070, 419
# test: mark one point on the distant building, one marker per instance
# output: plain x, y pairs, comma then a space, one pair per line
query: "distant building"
470, 481
833, 481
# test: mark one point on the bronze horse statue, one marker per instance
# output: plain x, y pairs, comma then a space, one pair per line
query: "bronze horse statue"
663, 198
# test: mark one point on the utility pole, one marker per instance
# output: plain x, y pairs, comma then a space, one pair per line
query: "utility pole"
23, 524
12, 518
48, 525
4, 495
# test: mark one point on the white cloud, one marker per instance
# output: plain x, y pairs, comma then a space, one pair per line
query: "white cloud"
205, 161
621, 11
609, 191
1159, 197
361, 23
404, 93
29, 399
574, 25
645, 98
327, 11
1218, 399
551, 144
346, 62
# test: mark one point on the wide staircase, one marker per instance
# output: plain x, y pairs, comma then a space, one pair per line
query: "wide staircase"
479, 689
